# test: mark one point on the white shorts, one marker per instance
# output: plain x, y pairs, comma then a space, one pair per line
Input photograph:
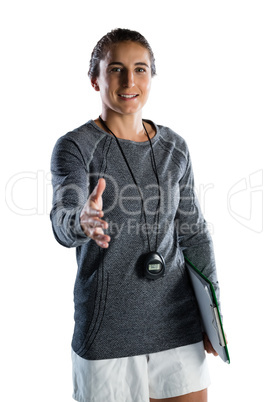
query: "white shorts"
159, 375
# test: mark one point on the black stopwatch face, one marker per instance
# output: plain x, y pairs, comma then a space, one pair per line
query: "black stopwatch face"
154, 266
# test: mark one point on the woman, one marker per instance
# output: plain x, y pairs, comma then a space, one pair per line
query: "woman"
123, 196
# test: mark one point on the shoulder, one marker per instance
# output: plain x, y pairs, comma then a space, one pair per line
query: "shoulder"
78, 145
172, 142
84, 134
80, 141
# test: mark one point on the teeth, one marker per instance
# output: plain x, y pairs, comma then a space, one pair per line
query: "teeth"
128, 96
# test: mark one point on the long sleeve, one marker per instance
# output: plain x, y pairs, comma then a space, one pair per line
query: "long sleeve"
70, 192
194, 237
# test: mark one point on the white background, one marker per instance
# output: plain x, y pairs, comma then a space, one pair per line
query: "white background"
211, 87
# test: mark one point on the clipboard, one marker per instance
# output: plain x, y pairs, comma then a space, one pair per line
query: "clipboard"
209, 310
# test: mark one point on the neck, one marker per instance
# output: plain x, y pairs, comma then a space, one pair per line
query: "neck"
127, 127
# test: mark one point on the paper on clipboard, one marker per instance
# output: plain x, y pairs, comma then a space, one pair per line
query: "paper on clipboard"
209, 310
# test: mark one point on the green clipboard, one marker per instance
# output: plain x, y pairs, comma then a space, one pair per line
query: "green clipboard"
209, 310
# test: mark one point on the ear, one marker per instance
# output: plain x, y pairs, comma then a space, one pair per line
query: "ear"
95, 85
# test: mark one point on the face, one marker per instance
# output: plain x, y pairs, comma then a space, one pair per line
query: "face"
125, 78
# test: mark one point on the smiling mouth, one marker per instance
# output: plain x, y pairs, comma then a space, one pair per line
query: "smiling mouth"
126, 96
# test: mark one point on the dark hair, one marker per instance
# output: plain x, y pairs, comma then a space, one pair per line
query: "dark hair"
116, 36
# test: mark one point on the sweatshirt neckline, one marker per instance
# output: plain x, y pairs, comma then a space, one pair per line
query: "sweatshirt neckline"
122, 140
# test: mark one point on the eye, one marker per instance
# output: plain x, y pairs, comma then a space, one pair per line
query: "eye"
140, 70
116, 70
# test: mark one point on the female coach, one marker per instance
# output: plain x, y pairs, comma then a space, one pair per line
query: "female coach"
123, 195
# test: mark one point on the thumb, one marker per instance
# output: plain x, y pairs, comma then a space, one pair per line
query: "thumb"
98, 190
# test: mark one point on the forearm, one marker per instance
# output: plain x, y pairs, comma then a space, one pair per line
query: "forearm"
194, 237
70, 192
200, 252
67, 228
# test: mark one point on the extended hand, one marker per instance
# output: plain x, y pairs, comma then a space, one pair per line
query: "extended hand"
90, 216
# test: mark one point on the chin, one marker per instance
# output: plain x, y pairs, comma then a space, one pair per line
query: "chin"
130, 110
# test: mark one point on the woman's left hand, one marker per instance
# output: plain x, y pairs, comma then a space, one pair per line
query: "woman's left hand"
207, 345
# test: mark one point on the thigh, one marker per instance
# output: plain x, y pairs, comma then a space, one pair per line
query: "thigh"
200, 396
178, 372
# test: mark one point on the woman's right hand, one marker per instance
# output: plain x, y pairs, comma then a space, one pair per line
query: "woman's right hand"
90, 216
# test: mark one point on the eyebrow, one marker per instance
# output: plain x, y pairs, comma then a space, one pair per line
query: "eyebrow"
121, 64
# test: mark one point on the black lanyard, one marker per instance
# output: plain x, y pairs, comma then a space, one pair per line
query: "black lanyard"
153, 259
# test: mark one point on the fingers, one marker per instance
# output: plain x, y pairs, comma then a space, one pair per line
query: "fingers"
92, 222
99, 237
207, 345
210, 349
94, 227
95, 232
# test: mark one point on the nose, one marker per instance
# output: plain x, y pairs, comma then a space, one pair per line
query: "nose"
128, 79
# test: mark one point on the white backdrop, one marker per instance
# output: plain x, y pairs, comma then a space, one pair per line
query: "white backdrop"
211, 87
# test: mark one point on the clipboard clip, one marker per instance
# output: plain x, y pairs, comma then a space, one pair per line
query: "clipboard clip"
217, 325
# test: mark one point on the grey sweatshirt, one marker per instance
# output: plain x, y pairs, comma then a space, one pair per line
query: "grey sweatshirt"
119, 312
